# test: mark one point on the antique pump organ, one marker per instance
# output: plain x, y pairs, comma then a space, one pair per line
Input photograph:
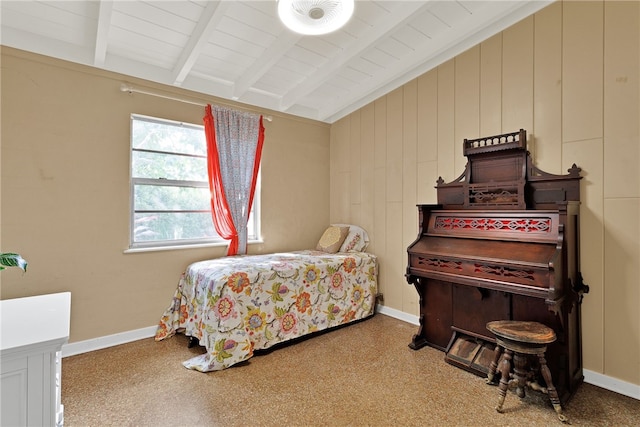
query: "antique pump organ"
501, 244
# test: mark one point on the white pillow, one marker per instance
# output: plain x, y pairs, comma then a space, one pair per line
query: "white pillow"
356, 241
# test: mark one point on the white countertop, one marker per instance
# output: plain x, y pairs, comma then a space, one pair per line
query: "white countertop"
34, 320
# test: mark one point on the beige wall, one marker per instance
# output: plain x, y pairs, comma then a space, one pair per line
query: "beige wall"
569, 76
65, 191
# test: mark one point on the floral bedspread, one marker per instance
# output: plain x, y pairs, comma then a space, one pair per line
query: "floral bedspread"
235, 305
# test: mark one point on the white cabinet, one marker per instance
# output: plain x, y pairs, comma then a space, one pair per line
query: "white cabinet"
33, 330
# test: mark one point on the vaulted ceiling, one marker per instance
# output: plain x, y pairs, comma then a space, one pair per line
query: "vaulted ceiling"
239, 50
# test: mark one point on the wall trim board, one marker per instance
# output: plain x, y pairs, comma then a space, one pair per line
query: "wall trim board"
397, 314
99, 343
612, 384
86, 346
75, 348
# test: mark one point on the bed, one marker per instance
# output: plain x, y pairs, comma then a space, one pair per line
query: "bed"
236, 305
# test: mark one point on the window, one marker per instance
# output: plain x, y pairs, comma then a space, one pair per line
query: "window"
170, 199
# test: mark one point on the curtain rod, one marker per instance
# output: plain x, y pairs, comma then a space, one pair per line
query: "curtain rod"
130, 89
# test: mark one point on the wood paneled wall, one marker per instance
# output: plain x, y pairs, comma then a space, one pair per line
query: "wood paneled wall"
569, 76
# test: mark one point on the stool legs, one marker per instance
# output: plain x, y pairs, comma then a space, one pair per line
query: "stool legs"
553, 394
520, 377
493, 366
517, 342
505, 369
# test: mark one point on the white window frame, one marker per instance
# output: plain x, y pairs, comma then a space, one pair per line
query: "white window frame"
134, 246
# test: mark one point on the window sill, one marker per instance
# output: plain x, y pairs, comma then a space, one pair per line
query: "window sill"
180, 247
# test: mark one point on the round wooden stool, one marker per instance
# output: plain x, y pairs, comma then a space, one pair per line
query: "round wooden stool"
519, 340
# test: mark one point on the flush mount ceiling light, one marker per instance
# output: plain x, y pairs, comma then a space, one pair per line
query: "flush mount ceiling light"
315, 17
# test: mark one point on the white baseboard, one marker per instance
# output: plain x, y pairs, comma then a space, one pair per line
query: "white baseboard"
72, 349
613, 384
590, 377
397, 314
86, 346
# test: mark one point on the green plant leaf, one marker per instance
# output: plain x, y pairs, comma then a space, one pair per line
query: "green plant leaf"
12, 260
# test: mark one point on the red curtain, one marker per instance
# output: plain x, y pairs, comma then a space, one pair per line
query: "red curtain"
222, 218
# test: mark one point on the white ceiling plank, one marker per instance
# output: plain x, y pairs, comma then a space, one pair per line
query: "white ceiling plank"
243, 31
49, 23
185, 9
240, 50
253, 14
267, 60
211, 16
31, 42
142, 28
139, 69
449, 12
158, 17
217, 56
379, 57
486, 24
429, 25
325, 47
291, 64
231, 42
276, 80
137, 47
373, 34
209, 84
102, 32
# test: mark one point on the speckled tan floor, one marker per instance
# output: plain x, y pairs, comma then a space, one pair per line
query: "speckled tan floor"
361, 375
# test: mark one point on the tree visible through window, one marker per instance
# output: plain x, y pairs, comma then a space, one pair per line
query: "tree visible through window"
170, 196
